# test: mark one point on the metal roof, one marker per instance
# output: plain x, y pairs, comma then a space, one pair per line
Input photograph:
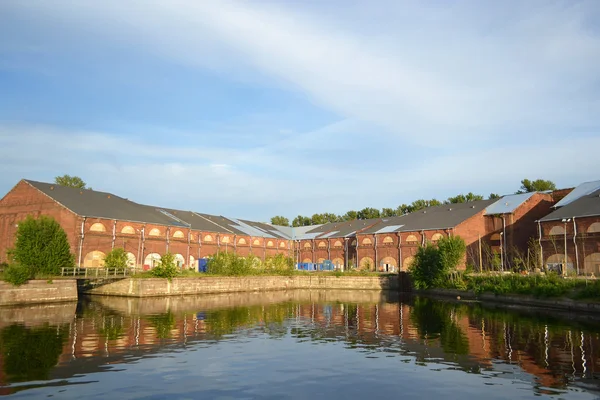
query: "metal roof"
439, 217
585, 206
389, 229
328, 234
581, 190
508, 204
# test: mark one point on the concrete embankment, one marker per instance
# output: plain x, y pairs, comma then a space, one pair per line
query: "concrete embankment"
31, 315
38, 291
151, 287
517, 300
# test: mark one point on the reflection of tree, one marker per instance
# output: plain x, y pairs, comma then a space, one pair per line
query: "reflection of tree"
30, 353
110, 329
433, 319
163, 323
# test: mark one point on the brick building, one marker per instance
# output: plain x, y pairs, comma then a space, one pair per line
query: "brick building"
96, 222
571, 233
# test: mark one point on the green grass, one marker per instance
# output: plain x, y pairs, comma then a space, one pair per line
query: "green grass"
540, 286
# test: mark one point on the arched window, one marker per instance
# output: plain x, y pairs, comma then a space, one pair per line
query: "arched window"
208, 238
366, 263
270, 243
337, 244
282, 245
225, 239
353, 243
130, 260
256, 242
322, 245
388, 239
94, 259
557, 230
367, 241
98, 227
595, 227
152, 260
307, 260
495, 237
307, 245
128, 230
407, 263
178, 235
411, 239
154, 232
436, 237
192, 263
179, 260
242, 241
591, 264
320, 260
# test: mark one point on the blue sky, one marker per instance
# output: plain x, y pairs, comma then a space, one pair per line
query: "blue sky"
256, 108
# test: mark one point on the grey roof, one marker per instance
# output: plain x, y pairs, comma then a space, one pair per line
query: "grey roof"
198, 222
92, 203
270, 230
585, 206
439, 217
222, 222
508, 204
581, 190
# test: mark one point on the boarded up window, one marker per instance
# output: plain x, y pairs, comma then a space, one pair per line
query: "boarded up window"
388, 239
367, 241
307, 245
436, 237
337, 244
242, 241
595, 227
270, 243
178, 235
154, 232
128, 230
208, 238
322, 245
98, 227
557, 230
411, 239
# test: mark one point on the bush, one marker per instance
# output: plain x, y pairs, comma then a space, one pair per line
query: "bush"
279, 264
433, 263
41, 247
17, 274
116, 258
166, 268
452, 250
233, 265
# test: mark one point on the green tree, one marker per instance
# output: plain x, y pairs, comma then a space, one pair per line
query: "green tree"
317, 219
388, 212
330, 217
166, 268
452, 251
421, 204
493, 196
433, 262
71, 181
368, 213
301, 221
463, 198
116, 258
350, 216
404, 209
41, 246
538, 185
280, 221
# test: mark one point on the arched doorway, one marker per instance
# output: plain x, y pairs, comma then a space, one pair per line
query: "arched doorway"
152, 260
338, 262
366, 263
555, 263
388, 264
592, 264
131, 260
179, 260
94, 259
407, 263
192, 264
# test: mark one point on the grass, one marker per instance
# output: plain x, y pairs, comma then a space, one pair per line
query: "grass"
540, 286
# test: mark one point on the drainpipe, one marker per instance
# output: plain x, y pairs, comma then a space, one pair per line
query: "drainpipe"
137, 260
114, 237
575, 245
81, 240
422, 238
541, 247
399, 252
251, 240
264, 250
375, 243
328, 249
187, 260
504, 241
143, 244
168, 231
218, 243
357, 252
199, 245
346, 253
234, 244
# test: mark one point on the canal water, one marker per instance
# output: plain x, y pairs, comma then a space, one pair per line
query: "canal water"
295, 345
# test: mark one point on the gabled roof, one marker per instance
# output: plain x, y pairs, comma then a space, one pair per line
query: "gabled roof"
508, 204
440, 217
585, 206
266, 229
349, 228
198, 222
95, 204
580, 191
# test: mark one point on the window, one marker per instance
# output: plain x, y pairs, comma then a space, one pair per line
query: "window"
178, 235
322, 245
282, 245
225, 239
353, 243
436, 237
94, 259
270, 243
242, 241
208, 238
367, 241
337, 244
411, 239
595, 227
154, 232
256, 242
128, 230
388, 239
307, 245
557, 230
98, 227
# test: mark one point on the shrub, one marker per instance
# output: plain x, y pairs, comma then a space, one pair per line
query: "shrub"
426, 269
166, 268
452, 250
233, 265
279, 264
41, 246
17, 274
116, 258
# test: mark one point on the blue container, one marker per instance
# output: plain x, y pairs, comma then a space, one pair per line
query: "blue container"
202, 264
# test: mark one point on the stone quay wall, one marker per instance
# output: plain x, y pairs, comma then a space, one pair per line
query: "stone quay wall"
38, 291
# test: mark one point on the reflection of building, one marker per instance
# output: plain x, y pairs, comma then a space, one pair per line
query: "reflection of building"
571, 233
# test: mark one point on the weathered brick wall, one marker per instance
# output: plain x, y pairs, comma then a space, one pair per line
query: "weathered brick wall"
38, 291
185, 286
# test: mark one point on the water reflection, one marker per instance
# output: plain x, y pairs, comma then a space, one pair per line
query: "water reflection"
549, 353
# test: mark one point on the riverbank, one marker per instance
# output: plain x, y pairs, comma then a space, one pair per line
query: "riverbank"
153, 287
38, 291
559, 303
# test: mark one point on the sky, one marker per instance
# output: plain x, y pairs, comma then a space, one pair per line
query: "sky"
252, 109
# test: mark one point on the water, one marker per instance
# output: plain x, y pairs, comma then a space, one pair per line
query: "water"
295, 345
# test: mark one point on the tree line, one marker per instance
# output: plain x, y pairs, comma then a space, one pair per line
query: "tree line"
527, 186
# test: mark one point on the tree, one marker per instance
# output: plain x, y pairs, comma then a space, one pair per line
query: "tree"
41, 246
317, 219
368, 213
301, 221
493, 196
538, 185
330, 217
462, 198
421, 204
280, 221
350, 216
432, 262
116, 258
404, 209
71, 181
166, 268
388, 212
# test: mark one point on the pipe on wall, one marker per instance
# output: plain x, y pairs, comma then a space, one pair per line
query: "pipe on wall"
541, 247
114, 235
81, 240
575, 245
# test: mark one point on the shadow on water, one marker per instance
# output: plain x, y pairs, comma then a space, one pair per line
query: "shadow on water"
551, 353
